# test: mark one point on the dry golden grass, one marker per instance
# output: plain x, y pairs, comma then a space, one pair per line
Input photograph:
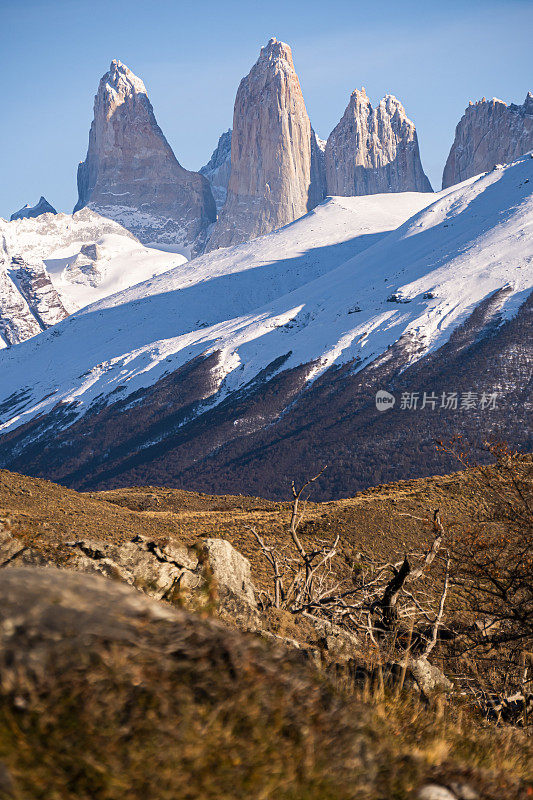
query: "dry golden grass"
380, 520
247, 741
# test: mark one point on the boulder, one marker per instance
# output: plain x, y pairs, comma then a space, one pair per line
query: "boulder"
231, 570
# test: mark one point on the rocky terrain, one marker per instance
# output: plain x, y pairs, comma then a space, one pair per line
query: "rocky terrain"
373, 150
490, 132
17, 323
42, 207
29, 302
34, 284
275, 174
131, 175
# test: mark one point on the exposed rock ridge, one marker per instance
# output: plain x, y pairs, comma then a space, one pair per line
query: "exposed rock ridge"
35, 285
489, 132
17, 323
275, 172
42, 207
130, 173
29, 303
374, 150
218, 169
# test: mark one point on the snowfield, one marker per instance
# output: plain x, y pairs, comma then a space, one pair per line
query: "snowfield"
341, 284
56, 240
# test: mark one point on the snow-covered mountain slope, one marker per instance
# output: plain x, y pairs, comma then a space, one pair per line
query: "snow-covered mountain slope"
275, 264
190, 298
273, 317
85, 255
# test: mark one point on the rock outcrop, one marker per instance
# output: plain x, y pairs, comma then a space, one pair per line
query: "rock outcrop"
17, 323
163, 570
42, 207
373, 150
108, 693
218, 169
275, 162
34, 284
490, 132
130, 173
29, 303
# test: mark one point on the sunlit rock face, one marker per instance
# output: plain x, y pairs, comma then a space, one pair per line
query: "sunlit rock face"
490, 132
275, 160
373, 150
130, 173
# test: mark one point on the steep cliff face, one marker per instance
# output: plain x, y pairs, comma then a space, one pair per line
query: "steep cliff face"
490, 132
130, 173
275, 173
374, 150
42, 207
218, 169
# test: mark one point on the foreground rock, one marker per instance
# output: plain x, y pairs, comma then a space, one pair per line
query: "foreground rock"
490, 132
164, 571
130, 173
275, 161
109, 694
374, 150
42, 207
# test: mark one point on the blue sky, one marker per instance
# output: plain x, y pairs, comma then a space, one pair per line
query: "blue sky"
434, 56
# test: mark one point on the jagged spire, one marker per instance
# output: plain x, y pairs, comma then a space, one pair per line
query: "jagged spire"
130, 173
275, 164
373, 150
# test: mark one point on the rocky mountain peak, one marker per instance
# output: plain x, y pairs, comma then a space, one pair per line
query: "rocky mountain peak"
489, 132
275, 163
121, 80
373, 150
274, 51
130, 173
42, 207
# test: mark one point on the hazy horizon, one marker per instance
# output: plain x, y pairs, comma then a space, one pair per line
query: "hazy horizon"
191, 58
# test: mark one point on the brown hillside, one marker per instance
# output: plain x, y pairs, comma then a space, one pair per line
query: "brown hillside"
385, 520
